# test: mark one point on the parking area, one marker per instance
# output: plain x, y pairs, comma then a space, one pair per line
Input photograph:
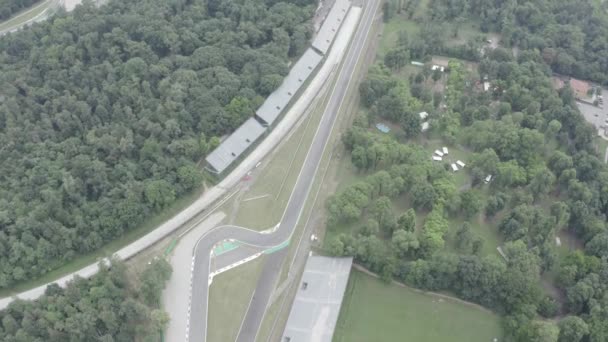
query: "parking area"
598, 116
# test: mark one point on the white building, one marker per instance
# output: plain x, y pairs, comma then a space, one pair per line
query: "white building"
445, 150
436, 158
461, 164
454, 167
424, 126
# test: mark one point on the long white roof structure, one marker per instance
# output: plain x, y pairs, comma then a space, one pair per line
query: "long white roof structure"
331, 25
315, 309
231, 148
279, 99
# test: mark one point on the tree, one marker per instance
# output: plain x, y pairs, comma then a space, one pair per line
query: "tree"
542, 183
410, 123
397, 58
495, 203
159, 193
407, 221
572, 329
405, 242
189, 177
423, 195
435, 227
470, 203
465, 238
371, 227
598, 246
382, 210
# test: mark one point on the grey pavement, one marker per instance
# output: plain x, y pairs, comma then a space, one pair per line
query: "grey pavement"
254, 316
272, 267
202, 204
173, 300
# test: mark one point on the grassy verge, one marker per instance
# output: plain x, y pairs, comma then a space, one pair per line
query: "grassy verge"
25, 15
375, 311
229, 297
602, 145
108, 249
391, 30
277, 171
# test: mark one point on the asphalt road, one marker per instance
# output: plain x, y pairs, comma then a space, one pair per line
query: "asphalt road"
202, 254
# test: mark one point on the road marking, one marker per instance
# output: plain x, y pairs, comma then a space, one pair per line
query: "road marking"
356, 56
255, 198
307, 192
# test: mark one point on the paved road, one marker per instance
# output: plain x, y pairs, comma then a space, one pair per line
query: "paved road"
207, 199
297, 200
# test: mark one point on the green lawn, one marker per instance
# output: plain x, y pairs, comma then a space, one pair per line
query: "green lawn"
488, 232
375, 311
391, 31
229, 297
602, 145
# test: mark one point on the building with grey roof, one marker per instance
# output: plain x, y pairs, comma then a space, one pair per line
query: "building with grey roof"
331, 26
270, 110
231, 148
315, 309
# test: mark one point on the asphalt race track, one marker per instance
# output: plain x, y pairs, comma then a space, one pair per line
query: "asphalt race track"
202, 253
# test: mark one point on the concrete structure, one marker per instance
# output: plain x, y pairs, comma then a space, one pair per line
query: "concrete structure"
317, 304
439, 153
460, 163
436, 158
454, 167
445, 150
279, 237
232, 148
280, 98
331, 25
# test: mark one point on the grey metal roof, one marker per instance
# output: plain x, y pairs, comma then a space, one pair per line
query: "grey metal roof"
317, 304
278, 100
231, 148
331, 25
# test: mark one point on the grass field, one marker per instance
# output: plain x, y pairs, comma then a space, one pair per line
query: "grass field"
229, 297
375, 311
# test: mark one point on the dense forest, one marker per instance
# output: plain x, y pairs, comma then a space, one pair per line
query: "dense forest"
547, 180
111, 306
571, 35
10, 7
105, 113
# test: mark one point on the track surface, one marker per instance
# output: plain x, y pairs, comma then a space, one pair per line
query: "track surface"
202, 253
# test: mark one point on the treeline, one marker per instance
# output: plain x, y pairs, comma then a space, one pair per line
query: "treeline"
570, 34
547, 177
111, 306
105, 113
10, 7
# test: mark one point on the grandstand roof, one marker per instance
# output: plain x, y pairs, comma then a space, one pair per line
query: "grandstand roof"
279, 99
331, 25
232, 148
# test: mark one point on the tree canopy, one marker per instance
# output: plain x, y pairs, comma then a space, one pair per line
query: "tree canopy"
105, 113
107, 307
